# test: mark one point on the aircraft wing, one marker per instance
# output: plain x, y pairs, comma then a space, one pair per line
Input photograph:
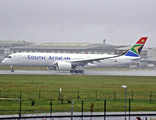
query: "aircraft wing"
90, 60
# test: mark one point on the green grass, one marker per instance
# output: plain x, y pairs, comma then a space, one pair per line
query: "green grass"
91, 89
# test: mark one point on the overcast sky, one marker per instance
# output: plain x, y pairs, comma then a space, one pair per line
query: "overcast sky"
120, 22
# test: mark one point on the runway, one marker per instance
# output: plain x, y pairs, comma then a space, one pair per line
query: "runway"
114, 72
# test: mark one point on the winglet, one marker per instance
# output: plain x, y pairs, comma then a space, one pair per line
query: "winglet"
136, 49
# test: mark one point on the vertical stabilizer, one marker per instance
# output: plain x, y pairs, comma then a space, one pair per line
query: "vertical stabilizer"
136, 49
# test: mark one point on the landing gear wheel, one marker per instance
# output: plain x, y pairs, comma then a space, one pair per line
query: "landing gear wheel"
76, 71
81, 71
72, 71
12, 70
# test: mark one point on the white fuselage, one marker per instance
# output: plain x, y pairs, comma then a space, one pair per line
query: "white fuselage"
49, 59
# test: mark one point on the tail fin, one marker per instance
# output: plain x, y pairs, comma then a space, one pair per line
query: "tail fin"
136, 49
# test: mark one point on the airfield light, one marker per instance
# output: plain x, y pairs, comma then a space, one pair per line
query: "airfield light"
124, 86
72, 110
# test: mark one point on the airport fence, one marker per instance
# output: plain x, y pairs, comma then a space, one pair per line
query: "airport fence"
26, 109
41, 101
87, 95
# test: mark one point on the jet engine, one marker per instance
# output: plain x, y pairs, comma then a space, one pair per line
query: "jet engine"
63, 66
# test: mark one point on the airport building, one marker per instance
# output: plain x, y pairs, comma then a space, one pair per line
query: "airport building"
16, 46
6, 45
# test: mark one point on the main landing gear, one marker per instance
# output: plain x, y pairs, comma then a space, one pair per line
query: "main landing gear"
76, 71
12, 69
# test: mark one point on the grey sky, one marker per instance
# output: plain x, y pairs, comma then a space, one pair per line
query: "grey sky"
120, 22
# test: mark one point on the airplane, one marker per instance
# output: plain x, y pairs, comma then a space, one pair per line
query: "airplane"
73, 62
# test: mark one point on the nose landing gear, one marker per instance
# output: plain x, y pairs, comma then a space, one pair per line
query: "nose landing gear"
12, 69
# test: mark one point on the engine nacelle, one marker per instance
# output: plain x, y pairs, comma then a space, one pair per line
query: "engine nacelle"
63, 66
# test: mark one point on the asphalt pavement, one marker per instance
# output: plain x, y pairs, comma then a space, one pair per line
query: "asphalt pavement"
114, 72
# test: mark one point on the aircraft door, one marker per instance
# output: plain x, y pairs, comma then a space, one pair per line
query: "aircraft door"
18, 57
46, 57
119, 60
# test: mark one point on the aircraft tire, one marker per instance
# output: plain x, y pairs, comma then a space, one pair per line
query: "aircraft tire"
76, 71
81, 71
12, 70
72, 71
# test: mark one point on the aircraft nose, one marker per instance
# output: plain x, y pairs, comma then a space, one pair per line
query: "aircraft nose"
4, 62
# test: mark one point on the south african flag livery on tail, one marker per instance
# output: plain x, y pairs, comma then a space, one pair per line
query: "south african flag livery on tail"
136, 49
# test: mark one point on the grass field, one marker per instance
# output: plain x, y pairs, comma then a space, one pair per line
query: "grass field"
41, 89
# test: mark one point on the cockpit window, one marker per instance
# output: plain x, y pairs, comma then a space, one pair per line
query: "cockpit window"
8, 57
